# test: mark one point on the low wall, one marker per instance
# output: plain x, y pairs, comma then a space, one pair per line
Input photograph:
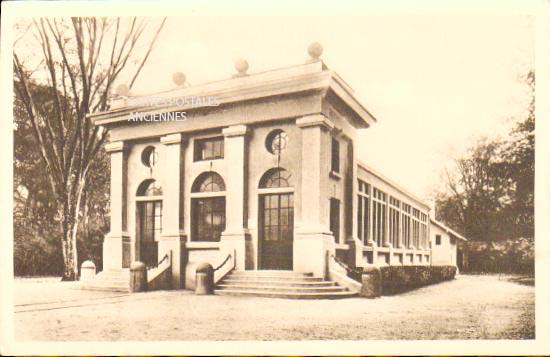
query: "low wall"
398, 279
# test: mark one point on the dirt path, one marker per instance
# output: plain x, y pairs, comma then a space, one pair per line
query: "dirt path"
470, 307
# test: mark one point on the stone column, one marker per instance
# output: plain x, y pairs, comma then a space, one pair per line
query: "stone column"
236, 233
116, 245
355, 242
313, 241
173, 237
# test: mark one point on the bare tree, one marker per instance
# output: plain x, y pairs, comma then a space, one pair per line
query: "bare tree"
80, 59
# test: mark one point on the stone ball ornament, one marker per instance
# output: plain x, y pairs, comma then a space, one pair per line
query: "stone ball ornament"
179, 79
315, 50
241, 65
122, 90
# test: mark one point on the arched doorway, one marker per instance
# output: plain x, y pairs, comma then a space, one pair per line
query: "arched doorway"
276, 220
148, 221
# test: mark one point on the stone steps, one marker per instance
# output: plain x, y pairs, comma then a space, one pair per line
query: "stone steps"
108, 280
271, 273
271, 282
275, 279
280, 284
283, 288
287, 295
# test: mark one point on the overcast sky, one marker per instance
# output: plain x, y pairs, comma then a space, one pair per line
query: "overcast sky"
434, 82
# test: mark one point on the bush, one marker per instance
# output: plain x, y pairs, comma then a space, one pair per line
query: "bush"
398, 279
36, 254
516, 256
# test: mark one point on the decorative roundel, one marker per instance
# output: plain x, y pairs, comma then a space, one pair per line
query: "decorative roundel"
276, 141
149, 156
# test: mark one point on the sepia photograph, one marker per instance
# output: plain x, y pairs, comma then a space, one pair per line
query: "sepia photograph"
196, 175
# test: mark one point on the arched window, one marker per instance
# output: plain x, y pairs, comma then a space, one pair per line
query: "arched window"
276, 177
207, 208
208, 182
149, 188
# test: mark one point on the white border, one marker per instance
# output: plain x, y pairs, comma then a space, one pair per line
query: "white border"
11, 10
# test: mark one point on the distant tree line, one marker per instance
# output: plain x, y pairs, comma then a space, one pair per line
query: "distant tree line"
489, 198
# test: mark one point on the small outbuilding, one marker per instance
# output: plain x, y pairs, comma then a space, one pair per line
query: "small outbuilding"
444, 242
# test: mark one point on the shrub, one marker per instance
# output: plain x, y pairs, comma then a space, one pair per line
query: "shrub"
509, 256
398, 279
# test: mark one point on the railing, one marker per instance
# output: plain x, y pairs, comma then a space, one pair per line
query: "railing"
158, 277
223, 263
350, 280
351, 272
223, 269
166, 257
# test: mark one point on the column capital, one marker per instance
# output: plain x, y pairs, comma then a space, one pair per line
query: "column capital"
170, 139
315, 120
116, 146
235, 130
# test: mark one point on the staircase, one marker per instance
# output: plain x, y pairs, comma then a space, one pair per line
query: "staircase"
109, 280
280, 284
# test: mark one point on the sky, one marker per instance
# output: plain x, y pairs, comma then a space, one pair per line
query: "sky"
436, 83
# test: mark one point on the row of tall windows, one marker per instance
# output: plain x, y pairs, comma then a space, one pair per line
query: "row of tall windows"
407, 226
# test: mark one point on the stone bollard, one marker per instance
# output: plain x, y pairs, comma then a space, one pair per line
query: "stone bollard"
138, 277
205, 279
372, 282
87, 270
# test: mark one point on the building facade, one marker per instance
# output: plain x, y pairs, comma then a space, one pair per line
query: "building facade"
269, 176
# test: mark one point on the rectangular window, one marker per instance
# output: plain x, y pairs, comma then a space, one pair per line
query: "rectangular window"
406, 221
424, 230
379, 216
208, 218
416, 227
438, 239
208, 149
335, 218
363, 212
394, 221
335, 163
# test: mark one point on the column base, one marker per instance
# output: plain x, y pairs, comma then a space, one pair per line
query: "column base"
234, 242
355, 252
311, 252
116, 250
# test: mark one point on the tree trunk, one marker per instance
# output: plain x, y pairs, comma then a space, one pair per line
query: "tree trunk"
71, 214
70, 262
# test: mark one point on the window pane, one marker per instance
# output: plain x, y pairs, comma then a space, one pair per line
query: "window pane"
207, 149
209, 218
275, 178
274, 232
274, 217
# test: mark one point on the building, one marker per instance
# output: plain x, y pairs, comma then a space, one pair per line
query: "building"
260, 170
444, 242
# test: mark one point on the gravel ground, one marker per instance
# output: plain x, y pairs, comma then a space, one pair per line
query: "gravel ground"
470, 307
